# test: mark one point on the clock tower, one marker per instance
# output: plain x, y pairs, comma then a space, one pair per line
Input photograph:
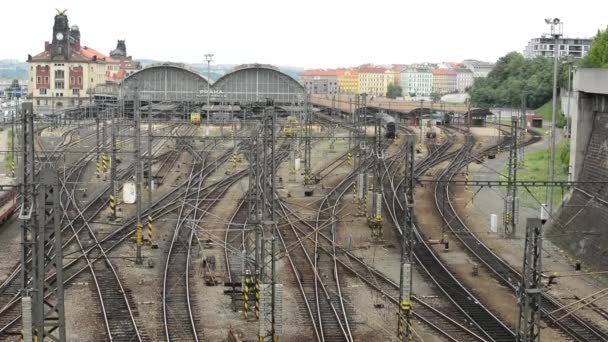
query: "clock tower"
61, 30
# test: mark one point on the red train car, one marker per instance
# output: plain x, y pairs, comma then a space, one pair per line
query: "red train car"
8, 204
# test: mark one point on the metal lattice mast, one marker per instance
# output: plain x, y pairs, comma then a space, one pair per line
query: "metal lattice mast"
138, 176
49, 323
150, 154
308, 143
530, 291
253, 231
375, 219
404, 329
28, 217
270, 293
510, 206
113, 176
522, 130
361, 131
97, 148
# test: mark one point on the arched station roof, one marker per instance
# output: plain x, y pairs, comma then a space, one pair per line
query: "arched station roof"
256, 83
165, 82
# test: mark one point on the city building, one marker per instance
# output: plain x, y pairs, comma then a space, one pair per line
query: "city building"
568, 47
417, 81
66, 74
479, 68
464, 79
348, 81
320, 81
374, 80
444, 81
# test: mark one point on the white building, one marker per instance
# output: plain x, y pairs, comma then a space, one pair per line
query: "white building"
464, 79
545, 47
479, 68
417, 81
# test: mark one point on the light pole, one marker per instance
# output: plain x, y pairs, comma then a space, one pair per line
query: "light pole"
569, 62
556, 33
209, 59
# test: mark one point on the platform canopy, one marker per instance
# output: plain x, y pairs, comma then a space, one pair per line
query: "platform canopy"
254, 83
165, 82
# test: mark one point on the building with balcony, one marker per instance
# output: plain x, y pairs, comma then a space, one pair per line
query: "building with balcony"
568, 47
375, 80
478, 68
320, 81
417, 81
464, 79
348, 81
444, 81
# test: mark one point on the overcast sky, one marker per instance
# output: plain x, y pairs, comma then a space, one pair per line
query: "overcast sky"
311, 33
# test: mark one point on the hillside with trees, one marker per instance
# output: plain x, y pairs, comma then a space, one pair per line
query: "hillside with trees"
513, 76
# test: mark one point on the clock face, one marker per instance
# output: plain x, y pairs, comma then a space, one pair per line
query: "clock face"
59, 36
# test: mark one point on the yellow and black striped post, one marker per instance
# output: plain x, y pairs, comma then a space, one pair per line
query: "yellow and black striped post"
150, 235
105, 162
257, 298
246, 296
405, 328
466, 179
98, 172
13, 167
349, 158
112, 206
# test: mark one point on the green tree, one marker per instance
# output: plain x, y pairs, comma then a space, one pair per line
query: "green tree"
513, 76
598, 54
394, 91
435, 97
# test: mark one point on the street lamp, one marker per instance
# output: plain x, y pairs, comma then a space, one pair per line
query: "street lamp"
569, 61
209, 59
556, 29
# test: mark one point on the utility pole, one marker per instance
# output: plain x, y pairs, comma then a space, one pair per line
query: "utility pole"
530, 292
374, 221
308, 177
555, 32
405, 329
150, 184
511, 200
97, 160
113, 175
522, 130
361, 134
270, 293
209, 59
43, 314
138, 176
569, 96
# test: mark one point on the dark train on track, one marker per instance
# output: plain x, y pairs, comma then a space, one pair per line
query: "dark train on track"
8, 204
441, 118
389, 126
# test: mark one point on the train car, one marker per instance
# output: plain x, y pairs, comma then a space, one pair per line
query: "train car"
441, 118
195, 117
8, 204
290, 129
389, 126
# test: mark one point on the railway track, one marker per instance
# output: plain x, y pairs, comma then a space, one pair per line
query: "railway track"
471, 310
575, 327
